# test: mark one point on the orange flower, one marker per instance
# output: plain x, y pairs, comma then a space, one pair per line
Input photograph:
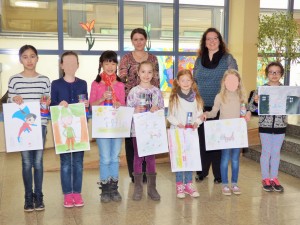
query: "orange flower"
88, 26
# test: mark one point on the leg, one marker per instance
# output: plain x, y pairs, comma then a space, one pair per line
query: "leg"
77, 171
235, 165
224, 166
179, 185
204, 160
129, 155
266, 144
114, 169
27, 161
277, 140
65, 173
189, 187
138, 176
137, 162
150, 164
216, 161
104, 146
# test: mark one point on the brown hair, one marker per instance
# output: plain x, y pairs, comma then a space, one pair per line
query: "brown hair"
138, 31
274, 64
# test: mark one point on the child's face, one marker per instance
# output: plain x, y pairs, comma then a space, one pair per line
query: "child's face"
109, 67
274, 74
69, 64
231, 82
29, 59
30, 120
185, 83
146, 73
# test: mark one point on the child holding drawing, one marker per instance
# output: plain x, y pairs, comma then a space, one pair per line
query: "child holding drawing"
144, 97
107, 86
20, 89
272, 132
65, 91
185, 101
229, 101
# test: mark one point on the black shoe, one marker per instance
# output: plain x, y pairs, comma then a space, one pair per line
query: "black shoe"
114, 193
28, 206
132, 179
38, 202
276, 185
217, 180
267, 185
199, 178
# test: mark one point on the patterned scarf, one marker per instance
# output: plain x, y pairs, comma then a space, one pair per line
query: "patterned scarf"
108, 80
190, 97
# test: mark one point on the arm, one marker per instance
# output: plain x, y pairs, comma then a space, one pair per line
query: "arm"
198, 118
54, 94
231, 62
12, 93
124, 68
215, 109
252, 106
172, 118
156, 78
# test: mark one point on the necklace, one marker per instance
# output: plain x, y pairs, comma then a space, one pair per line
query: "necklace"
140, 58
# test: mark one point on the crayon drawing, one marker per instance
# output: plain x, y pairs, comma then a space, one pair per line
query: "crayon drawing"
184, 150
109, 122
224, 134
151, 135
22, 125
69, 127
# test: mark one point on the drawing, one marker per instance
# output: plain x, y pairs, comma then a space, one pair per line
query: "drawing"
109, 122
151, 135
224, 134
70, 129
184, 150
279, 100
22, 125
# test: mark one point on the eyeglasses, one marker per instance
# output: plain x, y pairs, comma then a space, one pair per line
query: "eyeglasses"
212, 39
274, 73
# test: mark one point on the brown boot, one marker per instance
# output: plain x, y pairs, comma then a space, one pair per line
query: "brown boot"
138, 187
151, 187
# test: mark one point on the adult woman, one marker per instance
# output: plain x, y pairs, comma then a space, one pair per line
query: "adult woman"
213, 60
128, 74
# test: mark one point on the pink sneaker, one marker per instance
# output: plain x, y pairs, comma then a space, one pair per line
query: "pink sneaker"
78, 201
180, 190
191, 190
68, 200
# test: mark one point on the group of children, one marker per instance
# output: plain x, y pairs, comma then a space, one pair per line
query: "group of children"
107, 89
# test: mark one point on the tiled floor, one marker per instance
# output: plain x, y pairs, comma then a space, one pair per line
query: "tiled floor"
253, 207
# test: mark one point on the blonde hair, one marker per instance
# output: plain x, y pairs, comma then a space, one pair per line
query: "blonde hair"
174, 100
240, 90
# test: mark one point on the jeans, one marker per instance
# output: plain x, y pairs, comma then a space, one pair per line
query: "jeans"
33, 159
234, 153
109, 151
71, 166
270, 154
138, 161
184, 177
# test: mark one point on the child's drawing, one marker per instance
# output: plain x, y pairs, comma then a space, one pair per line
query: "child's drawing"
224, 134
184, 150
151, 135
22, 126
70, 128
109, 122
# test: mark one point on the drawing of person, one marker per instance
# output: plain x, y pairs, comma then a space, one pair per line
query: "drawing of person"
29, 121
69, 133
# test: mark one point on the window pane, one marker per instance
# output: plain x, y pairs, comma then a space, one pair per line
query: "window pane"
18, 24
102, 36
166, 68
273, 4
295, 74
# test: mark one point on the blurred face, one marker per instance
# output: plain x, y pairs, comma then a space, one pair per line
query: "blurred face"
146, 73
231, 82
29, 59
139, 42
70, 64
274, 74
185, 83
109, 67
212, 41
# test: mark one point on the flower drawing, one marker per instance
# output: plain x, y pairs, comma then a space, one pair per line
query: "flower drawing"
89, 27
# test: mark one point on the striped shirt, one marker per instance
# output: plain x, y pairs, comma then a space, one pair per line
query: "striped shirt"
29, 88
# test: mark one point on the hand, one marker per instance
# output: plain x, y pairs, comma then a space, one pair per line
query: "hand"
256, 97
107, 95
139, 109
180, 126
86, 103
48, 102
63, 103
203, 117
116, 105
154, 108
18, 99
248, 116
195, 126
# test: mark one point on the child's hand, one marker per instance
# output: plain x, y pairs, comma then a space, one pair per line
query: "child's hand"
203, 117
139, 109
107, 95
180, 126
248, 116
63, 103
18, 99
195, 126
48, 102
86, 103
256, 97
116, 104
154, 108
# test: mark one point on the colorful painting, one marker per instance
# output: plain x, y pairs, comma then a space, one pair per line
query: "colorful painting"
70, 131
151, 134
279, 100
225, 134
184, 150
22, 124
109, 122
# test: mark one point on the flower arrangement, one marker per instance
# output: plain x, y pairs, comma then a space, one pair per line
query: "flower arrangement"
89, 27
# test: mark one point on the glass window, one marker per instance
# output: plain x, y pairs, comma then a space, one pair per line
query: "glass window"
166, 70
273, 4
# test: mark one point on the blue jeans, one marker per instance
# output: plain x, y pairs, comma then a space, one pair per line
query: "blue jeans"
184, 177
235, 158
71, 166
109, 151
33, 159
